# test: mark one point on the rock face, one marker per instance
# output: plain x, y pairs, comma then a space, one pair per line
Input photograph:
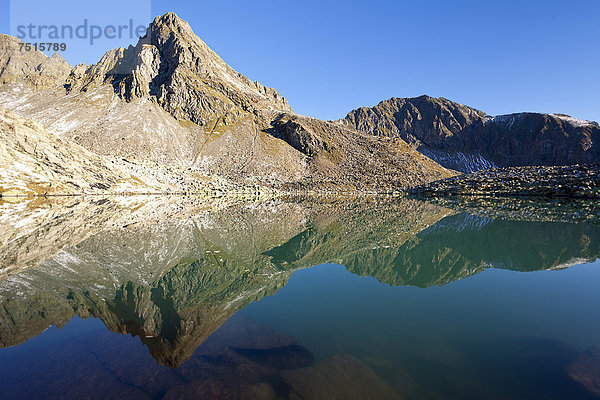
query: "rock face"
184, 76
34, 161
465, 139
31, 67
577, 181
339, 377
586, 370
339, 156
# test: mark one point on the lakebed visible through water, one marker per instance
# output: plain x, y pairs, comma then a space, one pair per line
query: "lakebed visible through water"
182, 297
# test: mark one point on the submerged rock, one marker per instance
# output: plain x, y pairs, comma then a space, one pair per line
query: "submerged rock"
586, 370
342, 377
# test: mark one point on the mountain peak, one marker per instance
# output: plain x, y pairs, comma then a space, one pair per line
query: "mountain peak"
170, 19
169, 26
174, 67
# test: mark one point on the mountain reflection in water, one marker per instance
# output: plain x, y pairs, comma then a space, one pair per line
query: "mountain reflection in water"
174, 273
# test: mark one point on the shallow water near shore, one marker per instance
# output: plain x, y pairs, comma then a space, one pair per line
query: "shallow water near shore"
394, 298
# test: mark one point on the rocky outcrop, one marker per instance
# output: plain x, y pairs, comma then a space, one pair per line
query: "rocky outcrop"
418, 121
32, 67
465, 139
34, 161
577, 181
339, 377
586, 370
182, 74
344, 158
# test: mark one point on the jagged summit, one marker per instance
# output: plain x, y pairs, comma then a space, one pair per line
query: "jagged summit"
181, 73
171, 100
173, 21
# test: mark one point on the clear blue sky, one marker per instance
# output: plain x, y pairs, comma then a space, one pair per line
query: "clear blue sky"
328, 57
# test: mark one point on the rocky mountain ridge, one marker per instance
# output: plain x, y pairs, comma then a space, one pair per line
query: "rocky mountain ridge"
185, 107
181, 73
190, 118
466, 139
31, 67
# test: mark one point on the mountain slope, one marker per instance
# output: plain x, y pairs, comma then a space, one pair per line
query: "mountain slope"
171, 101
345, 158
184, 106
181, 104
34, 161
465, 139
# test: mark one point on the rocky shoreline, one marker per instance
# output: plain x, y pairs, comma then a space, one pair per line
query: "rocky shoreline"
573, 181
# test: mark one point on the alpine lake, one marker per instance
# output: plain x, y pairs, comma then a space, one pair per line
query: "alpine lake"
299, 298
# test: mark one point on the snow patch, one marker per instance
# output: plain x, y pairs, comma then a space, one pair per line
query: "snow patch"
459, 161
573, 121
508, 120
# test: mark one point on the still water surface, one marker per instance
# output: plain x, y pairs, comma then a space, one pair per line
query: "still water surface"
365, 301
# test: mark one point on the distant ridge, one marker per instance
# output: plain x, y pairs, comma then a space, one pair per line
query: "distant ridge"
466, 139
33, 67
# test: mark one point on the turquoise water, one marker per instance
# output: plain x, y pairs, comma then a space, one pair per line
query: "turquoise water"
464, 307
500, 333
